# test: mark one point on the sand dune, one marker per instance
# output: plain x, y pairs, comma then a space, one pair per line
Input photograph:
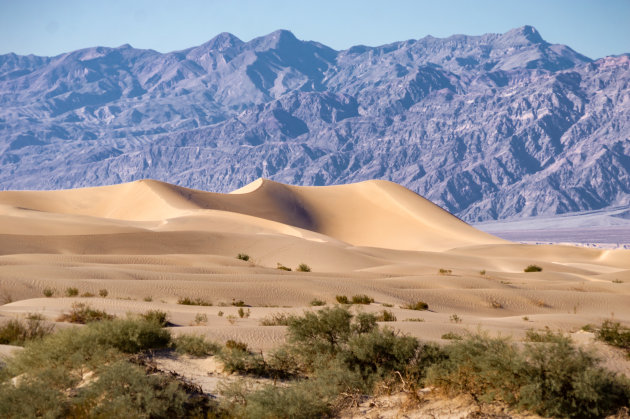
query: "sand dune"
150, 243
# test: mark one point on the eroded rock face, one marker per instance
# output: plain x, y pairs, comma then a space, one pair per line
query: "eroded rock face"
488, 127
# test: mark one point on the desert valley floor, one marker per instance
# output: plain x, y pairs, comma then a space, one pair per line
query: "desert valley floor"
150, 244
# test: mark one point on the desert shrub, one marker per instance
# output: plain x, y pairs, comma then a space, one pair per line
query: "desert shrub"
187, 301
303, 267
158, 316
103, 292
237, 358
242, 313
16, 332
48, 292
418, 305
342, 299
130, 335
563, 380
545, 335
235, 344
386, 316
282, 267
315, 302
455, 318
242, 256
553, 378
194, 345
378, 352
276, 319
72, 292
451, 336
613, 333
533, 268
200, 318
362, 299
482, 272
305, 399
445, 271
87, 295
617, 281
82, 313
322, 331
148, 299
238, 303
387, 305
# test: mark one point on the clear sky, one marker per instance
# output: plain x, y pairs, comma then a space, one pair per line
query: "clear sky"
594, 28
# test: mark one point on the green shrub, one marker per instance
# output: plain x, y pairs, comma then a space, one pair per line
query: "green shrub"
242, 313
418, 305
103, 292
276, 319
235, 344
303, 267
533, 268
342, 299
72, 292
545, 335
16, 332
282, 267
322, 331
386, 316
130, 335
613, 333
445, 271
315, 302
362, 299
187, 301
455, 318
48, 292
158, 316
451, 336
243, 256
201, 318
82, 313
552, 378
238, 303
195, 345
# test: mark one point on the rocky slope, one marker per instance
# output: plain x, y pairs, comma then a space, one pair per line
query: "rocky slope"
488, 127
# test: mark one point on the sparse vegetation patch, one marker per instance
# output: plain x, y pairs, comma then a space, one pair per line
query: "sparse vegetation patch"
187, 301
533, 268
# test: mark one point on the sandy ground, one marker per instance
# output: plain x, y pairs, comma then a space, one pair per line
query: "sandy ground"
150, 243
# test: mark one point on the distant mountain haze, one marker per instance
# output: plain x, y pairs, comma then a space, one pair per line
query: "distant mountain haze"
487, 127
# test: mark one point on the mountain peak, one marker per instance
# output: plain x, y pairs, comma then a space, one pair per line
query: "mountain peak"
275, 40
524, 34
222, 42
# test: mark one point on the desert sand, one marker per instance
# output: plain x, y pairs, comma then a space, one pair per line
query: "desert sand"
150, 243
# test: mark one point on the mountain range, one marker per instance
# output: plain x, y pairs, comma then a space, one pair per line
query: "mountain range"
488, 127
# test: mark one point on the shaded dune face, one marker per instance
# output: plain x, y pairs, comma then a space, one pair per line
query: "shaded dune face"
372, 213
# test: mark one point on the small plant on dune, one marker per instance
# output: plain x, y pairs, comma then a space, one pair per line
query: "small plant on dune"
342, 299
414, 319
525, 318
200, 318
385, 316
494, 303
617, 281
455, 318
276, 319
187, 301
282, 267
387, 305
362, 299
243, 313
533, 268
157, 316
445, 271
317, 302
236, 344
193, 345
238, 303
72, 292
303, 267
482, 272
220, 314
103, 292
48, 292
243, 256
418, 305
231, 319
82, 313
87, 295
148, 299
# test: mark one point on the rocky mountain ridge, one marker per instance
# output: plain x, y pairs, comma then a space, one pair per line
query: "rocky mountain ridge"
488, 127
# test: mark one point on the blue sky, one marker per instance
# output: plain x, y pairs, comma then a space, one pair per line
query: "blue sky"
50, 27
